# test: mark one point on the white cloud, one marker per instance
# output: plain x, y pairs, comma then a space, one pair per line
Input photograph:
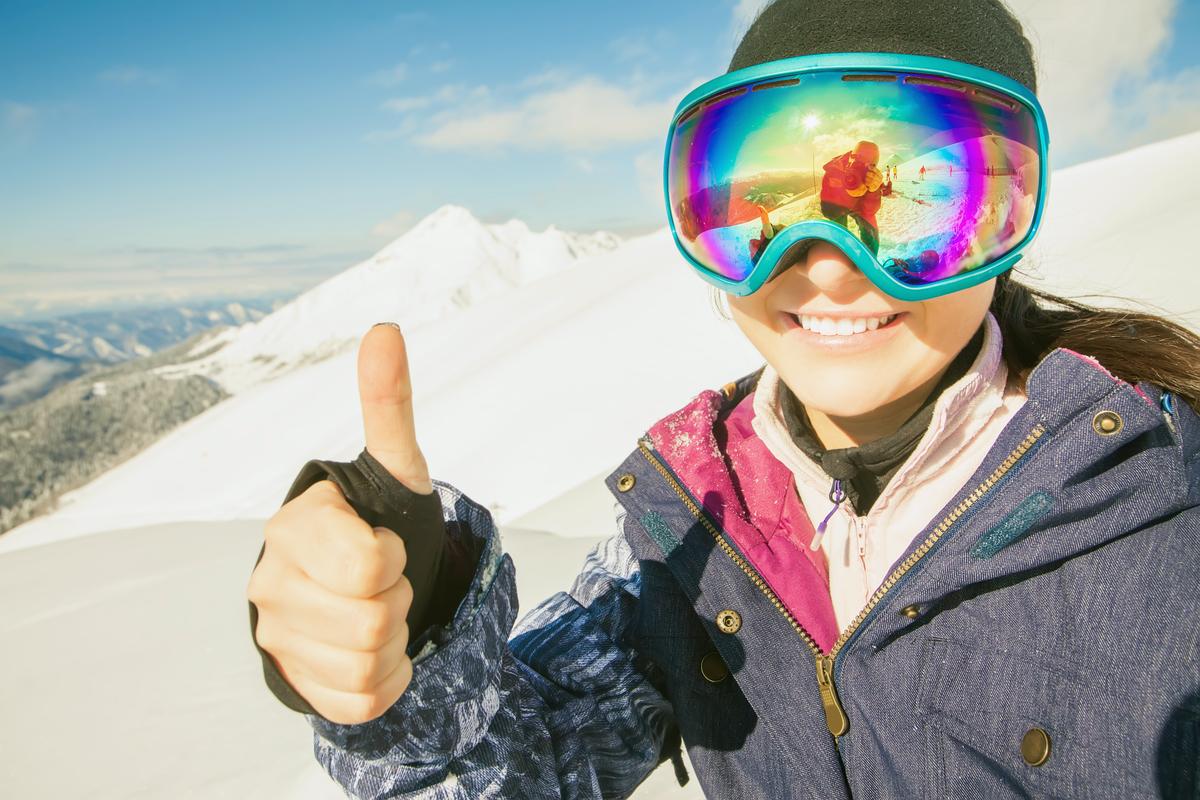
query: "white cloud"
390, 76
1165, 108
441, 66
586, 115
129, 75
394, 225
443, 97
401, 105
1096, 74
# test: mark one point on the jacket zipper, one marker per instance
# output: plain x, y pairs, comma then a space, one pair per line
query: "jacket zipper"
835, 714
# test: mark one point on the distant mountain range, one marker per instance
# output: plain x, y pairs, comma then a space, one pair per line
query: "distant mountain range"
36, 356
82, 393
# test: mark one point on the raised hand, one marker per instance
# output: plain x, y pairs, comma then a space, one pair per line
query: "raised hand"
330, 589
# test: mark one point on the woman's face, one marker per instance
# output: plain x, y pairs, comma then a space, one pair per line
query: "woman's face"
854, 375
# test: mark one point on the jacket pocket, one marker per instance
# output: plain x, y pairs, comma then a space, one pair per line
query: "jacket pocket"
1006, 724
681, 660
668, 632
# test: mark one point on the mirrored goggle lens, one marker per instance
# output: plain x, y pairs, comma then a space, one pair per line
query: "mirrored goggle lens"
935, 176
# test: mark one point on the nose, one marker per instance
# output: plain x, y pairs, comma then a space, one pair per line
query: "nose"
829, 269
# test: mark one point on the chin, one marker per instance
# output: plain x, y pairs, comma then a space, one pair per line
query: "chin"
839, 392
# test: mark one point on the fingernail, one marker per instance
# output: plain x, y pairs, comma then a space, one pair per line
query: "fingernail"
394, 325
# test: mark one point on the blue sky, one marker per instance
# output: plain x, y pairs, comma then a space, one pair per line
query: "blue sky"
151, 148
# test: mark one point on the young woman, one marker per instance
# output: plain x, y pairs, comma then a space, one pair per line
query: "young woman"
943, 544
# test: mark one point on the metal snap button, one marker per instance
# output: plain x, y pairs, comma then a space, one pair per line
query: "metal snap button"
729, 621
912, 612
626, 482
713, 668
1035, 747
1107, 423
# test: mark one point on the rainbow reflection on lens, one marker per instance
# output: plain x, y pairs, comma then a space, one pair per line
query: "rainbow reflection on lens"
935, 176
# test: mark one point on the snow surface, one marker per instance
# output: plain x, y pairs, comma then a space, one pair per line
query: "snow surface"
129, 673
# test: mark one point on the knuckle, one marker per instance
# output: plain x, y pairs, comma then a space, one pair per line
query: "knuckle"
324, 491
374, 624
354, 710
271, 529
373, 706
255, 591
363, 570
360, 675
405, 670
264, 634
399, 553
402, 637
404, 594
331, 517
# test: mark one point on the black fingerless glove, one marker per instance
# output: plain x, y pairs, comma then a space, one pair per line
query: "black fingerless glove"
438, 569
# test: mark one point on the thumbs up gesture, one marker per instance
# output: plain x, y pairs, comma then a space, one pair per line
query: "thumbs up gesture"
333, 601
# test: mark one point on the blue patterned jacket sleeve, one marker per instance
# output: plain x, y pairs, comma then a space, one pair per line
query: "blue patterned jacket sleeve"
560, 711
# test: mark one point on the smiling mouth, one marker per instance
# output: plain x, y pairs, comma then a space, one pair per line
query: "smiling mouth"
845, 327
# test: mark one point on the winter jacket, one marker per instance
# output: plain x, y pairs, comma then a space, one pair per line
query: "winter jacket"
1038, 638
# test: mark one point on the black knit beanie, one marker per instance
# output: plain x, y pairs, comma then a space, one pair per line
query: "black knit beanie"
979, 32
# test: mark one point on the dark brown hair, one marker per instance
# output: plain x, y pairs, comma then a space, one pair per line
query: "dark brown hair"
1134, 345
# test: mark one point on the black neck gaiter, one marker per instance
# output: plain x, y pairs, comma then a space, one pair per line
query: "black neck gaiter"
865, 470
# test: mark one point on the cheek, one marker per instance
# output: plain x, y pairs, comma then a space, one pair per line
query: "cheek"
952, 320
754, 321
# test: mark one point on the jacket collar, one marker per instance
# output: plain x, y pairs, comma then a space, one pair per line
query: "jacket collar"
712, 448
970, 401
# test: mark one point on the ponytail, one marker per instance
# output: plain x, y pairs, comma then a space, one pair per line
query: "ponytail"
1133, 345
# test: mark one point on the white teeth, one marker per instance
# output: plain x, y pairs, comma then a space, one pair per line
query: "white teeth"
827, 326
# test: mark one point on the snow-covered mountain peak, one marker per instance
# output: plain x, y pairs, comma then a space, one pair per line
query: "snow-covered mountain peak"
448, 218
448, 261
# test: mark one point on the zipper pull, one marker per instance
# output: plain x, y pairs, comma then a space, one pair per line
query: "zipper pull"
835, 715
836, 496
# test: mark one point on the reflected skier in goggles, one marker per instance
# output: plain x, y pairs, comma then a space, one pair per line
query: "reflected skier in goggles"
851, 188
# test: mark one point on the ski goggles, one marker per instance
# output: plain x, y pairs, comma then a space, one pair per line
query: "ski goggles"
930, 174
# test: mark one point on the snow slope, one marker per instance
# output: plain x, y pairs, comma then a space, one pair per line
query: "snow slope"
524, 396
129, 673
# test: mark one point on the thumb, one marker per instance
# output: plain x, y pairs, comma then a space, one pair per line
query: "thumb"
385, 392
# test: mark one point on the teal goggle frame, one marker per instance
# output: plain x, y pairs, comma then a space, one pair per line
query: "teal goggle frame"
922, 72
